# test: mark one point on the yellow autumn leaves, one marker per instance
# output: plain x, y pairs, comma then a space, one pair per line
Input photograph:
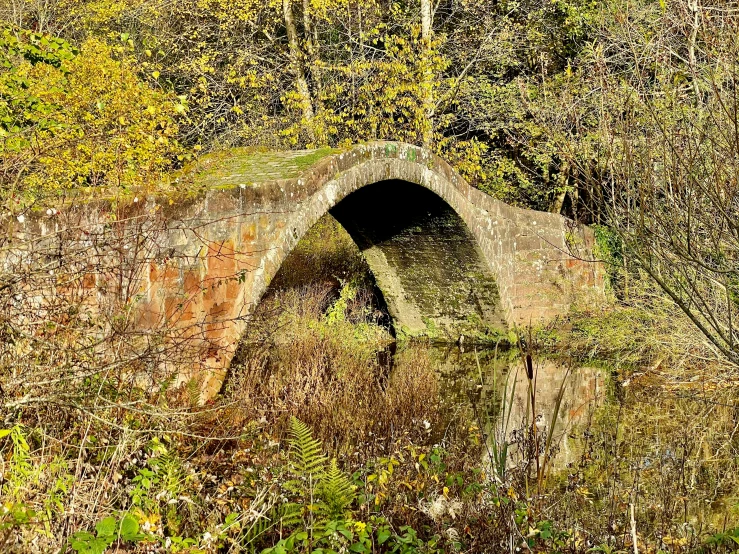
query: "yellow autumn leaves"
92, 122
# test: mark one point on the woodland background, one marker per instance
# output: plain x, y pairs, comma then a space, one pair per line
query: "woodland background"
622, 114
522, 97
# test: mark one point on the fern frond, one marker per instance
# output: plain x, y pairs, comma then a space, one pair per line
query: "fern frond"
193, 392
337, 493
289, 515
306, 453
324, 494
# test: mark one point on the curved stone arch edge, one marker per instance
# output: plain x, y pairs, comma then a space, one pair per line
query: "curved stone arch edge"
359, 176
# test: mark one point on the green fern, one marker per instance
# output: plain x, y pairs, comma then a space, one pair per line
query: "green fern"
193, 392
337, 493
306, 453
289, 514
325, 493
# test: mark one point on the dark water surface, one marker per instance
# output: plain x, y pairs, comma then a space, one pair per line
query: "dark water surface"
495, 384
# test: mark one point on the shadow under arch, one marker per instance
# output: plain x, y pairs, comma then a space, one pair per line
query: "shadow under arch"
424, 259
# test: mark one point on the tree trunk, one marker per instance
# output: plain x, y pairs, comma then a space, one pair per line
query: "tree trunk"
695, 9
428, 77
558, 202
296, 60
562, 178
311, 46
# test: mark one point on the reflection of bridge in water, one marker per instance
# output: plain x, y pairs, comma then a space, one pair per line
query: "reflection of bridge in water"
441, 251
582, 391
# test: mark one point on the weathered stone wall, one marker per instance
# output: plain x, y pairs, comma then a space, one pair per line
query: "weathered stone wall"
197, 268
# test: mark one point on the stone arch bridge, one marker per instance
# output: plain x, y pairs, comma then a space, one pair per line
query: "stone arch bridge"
440, 250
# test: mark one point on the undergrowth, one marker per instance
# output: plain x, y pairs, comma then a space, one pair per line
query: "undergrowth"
322, 441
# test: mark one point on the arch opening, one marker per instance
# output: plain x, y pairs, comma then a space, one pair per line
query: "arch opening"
312, 277
432, 274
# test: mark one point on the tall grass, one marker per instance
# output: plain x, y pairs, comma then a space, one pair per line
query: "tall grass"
326, 372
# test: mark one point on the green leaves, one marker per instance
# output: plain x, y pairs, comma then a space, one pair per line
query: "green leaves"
106, 527
359, 537
81, 118
107, 531
727, 539
16, 514
130, 529
33, 47
383, 535
87, 543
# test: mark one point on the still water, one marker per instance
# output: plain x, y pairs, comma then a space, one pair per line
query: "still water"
505, 402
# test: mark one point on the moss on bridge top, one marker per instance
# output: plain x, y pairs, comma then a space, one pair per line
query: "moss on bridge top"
225, 169
222, 170
241, 166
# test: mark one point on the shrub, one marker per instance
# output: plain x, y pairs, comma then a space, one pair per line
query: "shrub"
79, 118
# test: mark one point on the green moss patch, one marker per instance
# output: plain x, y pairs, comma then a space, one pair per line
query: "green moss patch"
242, 166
